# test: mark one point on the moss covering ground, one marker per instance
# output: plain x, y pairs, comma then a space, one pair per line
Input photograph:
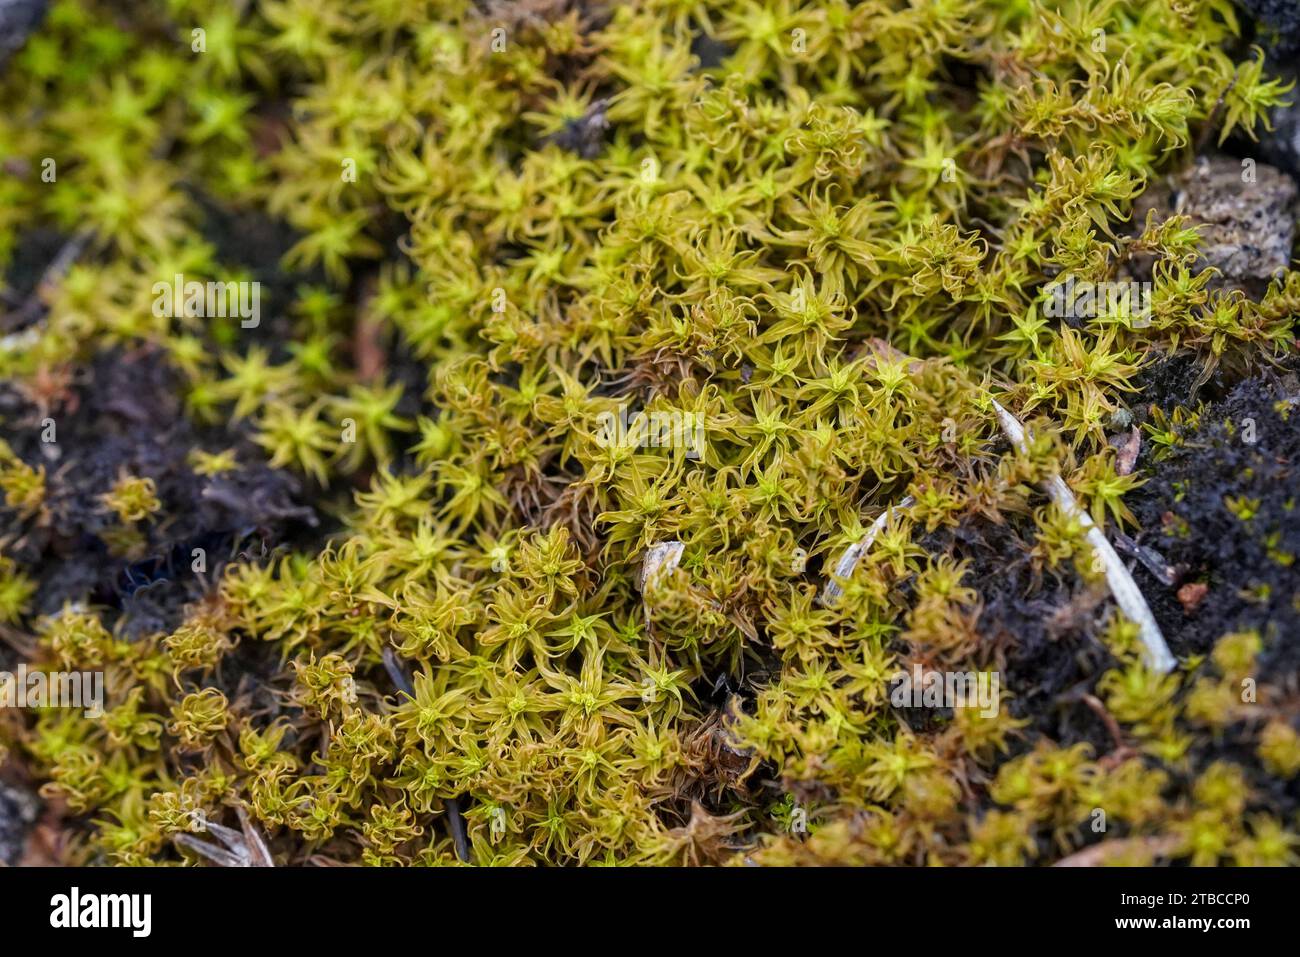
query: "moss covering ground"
371, 571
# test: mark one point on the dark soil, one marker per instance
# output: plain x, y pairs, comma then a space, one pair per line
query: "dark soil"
1249, 566
1041, 628
1277, 25
124, 415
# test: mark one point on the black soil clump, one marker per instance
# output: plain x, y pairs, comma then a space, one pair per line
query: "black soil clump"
1176, 382
1223, 509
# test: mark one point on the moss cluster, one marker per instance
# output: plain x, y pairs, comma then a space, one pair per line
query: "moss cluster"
817, 234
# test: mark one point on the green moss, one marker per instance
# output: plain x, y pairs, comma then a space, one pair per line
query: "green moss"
809, 267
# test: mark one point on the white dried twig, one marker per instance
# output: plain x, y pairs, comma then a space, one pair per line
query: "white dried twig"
1127, 594
849, 558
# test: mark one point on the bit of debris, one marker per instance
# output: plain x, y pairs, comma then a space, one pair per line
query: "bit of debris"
661, 559
368, 349
1112, 726
397, 673
1151, 559
1121, 849
243, 848
456, 823
1191, 594
1128, 447
879, 350
831, 590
